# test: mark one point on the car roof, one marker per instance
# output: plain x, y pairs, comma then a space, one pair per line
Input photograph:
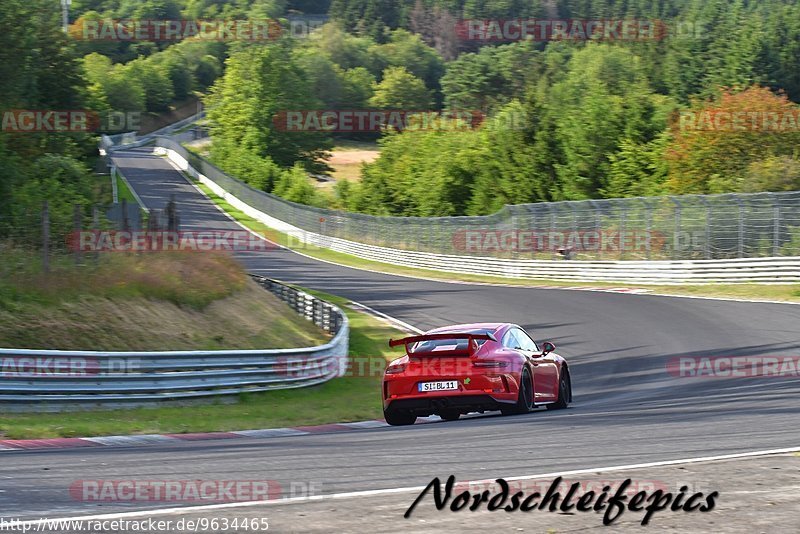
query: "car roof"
492, 327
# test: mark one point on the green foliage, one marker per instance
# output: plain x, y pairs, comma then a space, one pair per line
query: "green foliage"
404, 49
260, 83
705, 158
155, 81
603, 99
774, 173
565, 120
295, 185
637, 169
425, 173
399, 89
259, 172
491, 77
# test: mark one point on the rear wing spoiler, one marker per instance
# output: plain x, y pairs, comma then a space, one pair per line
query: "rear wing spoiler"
472, 347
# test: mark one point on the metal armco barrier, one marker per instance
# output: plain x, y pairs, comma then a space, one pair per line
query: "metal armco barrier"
52, 379
688, 227
127, 140
293, 219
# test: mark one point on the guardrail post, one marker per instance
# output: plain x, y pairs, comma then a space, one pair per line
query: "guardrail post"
707, 244
648, 222
575, 237
598, 226
676, 235
622, 216
114, 190
552, 230
740, 246
776, 225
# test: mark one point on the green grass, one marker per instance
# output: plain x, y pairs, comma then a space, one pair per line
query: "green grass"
152, 301
780, 292
184, 278
340, 400
124, 192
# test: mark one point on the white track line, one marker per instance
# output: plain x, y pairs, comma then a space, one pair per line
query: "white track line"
389, 491
127, 441
397, 323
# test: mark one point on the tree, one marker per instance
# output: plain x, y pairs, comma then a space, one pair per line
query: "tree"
710, 154
111, 87
357, 88
259, 84
637, 169
401, 90
603, 99
421, 173
492, 77
154, 80
407, 50
295, 185
38, 71
368, 17
775, 173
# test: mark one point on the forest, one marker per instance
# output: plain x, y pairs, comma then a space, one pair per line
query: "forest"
563, 119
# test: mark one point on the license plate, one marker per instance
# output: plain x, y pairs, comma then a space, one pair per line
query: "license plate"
438, 386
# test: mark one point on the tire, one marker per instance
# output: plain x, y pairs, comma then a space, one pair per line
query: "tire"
564, 393
399, 418
524, 402
450, 415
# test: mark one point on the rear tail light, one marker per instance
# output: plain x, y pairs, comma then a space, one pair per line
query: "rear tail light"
394, 369
490, 364
397, 366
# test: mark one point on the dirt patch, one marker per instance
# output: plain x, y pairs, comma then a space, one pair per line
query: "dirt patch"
346, 157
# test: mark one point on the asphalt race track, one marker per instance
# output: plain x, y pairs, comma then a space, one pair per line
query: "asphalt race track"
628, 409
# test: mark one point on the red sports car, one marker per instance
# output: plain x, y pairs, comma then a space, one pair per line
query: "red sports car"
466, 368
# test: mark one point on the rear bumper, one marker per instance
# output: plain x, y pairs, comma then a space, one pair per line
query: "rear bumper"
424, 406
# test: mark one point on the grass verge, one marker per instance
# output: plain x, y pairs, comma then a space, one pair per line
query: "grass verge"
354, 398
778, 292
124, 192
152, 301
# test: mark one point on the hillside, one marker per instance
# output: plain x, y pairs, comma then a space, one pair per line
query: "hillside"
137, 303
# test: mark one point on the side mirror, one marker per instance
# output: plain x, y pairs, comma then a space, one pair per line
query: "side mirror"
547, 348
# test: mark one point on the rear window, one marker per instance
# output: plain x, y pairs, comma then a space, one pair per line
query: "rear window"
446, 345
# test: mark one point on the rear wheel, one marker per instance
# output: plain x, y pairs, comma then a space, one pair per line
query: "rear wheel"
564, 393
399, 418
524, 398
450, 415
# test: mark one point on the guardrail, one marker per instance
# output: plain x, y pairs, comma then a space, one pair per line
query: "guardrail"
52, 380
127, 140
765, 270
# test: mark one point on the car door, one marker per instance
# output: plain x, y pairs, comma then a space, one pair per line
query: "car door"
545, 370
